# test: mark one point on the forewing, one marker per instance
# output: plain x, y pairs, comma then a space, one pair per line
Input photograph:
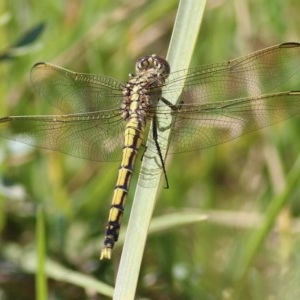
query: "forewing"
71, 92
258, 73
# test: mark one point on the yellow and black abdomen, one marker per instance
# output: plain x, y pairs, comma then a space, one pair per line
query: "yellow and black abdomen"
134, 135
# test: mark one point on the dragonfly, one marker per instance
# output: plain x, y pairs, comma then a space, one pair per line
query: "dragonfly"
101, 119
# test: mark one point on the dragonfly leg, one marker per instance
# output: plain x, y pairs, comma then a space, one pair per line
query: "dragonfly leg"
155, 138
174, 107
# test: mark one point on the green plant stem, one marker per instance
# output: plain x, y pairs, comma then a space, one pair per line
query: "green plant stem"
256, 240
181, 47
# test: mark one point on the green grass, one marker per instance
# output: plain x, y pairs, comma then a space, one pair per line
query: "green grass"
237, 185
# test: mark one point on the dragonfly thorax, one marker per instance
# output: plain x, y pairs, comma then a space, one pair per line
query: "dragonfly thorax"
143, 90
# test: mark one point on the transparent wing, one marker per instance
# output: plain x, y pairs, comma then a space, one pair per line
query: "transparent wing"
91, 125
223, 101
197, 127
255, 74
95, 136
72, 92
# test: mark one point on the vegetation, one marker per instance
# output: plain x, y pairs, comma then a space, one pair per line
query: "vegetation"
47, 196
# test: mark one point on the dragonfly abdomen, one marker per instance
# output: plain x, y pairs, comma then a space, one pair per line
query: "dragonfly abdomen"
134, 135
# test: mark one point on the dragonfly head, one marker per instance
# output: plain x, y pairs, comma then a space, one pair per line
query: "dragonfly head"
154, 63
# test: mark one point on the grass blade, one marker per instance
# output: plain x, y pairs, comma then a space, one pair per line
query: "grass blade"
184, 37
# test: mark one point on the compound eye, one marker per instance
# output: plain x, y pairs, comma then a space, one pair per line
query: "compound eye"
163, 65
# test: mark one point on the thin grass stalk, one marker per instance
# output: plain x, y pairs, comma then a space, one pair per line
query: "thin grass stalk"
256, 241
40, 277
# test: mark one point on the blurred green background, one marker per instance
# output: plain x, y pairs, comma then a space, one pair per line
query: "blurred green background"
233, 183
